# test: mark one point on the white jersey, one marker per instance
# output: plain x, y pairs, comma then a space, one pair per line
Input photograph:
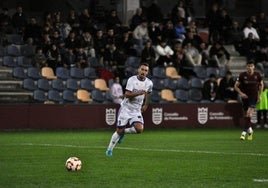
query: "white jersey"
135, 85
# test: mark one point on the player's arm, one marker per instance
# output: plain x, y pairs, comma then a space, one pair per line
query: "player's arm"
238, 90
146, 102
131, 94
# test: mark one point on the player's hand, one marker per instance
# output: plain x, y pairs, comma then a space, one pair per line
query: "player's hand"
142, 92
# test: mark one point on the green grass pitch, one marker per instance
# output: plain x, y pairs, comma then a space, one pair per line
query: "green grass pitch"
155, 158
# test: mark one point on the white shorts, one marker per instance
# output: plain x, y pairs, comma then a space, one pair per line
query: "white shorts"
126, 116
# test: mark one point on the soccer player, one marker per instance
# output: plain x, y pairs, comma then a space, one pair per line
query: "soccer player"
249, 86
130, 113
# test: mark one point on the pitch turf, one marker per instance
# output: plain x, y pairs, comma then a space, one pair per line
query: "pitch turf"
156, 158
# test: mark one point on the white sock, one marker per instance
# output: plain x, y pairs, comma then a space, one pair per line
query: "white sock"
250, 130
114, 139
244, 133
130, 130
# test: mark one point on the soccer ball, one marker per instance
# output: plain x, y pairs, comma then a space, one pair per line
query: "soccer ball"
73, 164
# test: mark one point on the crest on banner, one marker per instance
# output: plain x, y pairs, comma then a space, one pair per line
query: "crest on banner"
110, 116
157, 115
202, 115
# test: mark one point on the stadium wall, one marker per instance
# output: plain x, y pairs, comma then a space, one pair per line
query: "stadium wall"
40, 116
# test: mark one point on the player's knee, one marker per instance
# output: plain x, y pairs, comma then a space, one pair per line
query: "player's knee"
139, 128
120, 131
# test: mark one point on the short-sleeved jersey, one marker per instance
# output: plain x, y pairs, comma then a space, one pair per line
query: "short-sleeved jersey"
249, 84
135, 85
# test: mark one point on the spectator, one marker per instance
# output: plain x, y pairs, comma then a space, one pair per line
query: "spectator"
69, 59
87, 43
113, 21
180, 31
33, 30
57, 39
226, 23
117, 91
235, 36
219, 54
19, 20
262, 108
249, 29
99, 43
57, 22
72, 41
213, 18
168, 33
140, 34
86, 22
53, 57
137, 19
226, 87
204, 52
73, 21
178, 13
210, 88
148, 54
112, 58
193, 57
195, 40
261, 59
48, 20
110, 37
262, 21
39, 59
125, 43
81, 58
191, 27
249, 47
5, 22
164, 54
154, 12
154, 33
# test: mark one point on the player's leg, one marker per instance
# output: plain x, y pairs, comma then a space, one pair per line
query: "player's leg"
245, 104
249, 128
121, 124
136, 123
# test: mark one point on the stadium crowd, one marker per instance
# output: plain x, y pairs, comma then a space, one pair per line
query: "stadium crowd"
80, 39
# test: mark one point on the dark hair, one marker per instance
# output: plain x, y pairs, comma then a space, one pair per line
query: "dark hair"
250, 62
144, 64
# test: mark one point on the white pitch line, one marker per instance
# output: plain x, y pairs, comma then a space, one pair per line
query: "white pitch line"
144, 149
261, 180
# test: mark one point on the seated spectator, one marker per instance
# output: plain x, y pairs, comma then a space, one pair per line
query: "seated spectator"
226, 87
137, 18
74, 22
39, 59
195, 40
226, 23
193, 57
154, 12
213, 18
53, 56
117, 91
219, 54
164, 54
86, 22
33, 30
69, 59
249, 47
5, 22
249, 29
81, 58
72, 41
140, 34
148, 54
180, 31
235, 36
99, 43
204, 52
87, 43
113, 21
261, 59
154, 33
210, 88
168, 33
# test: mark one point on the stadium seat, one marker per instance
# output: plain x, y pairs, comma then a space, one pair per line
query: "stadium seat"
108, 97
90, 73
167, 95
24, 61
48, 73
159, 72
222, 71
100, 84
27, 50
183, 83
58, 84
93, 62
158, 84
170, 83
68, 96
13, 50
195, 95
200, 72
19, 72
76, 73
212, 70
155, 97
14, 39
196, 83
34, 73
72, 84
39, 95
55, 96
9, 61
98, 96
87, 84
43, 84
171, 72
181, 95
83, 95
29, 84
62, 72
